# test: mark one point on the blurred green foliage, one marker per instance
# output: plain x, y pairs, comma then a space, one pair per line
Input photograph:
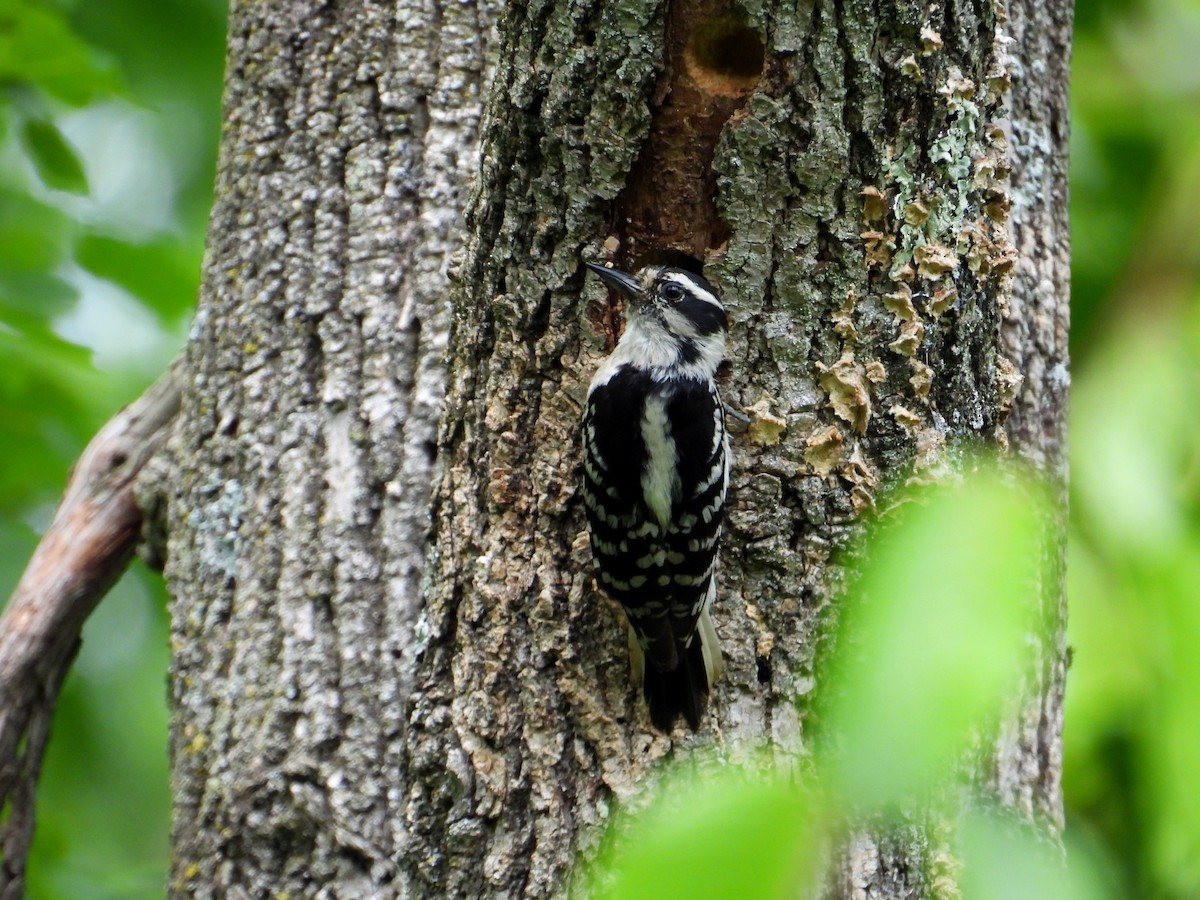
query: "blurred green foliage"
720, 833
931, 657
108, 130
109, 117
1132, 732
920, 669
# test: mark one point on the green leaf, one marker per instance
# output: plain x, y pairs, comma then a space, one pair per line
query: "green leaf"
46, 388
165, 275
38, 47
933, 637
725, 835
40, 295
17, 541
33, 236
55, 160
1006, 861
1172, 730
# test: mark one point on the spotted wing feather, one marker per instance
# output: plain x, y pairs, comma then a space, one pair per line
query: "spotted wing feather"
659, 567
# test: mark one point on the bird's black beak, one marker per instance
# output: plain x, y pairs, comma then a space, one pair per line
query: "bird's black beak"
618, 280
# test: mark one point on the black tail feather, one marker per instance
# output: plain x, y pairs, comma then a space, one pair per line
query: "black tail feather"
679, 691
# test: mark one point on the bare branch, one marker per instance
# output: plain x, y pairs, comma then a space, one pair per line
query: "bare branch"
86, 548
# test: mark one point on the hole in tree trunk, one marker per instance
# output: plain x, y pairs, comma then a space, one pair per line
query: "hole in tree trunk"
724, 56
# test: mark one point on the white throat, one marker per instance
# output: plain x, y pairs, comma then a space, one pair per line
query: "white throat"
649, 346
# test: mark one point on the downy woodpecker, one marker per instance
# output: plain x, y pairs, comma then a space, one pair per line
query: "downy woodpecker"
656, 470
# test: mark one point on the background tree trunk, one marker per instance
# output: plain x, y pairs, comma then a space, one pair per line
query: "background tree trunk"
299, 510
841, 168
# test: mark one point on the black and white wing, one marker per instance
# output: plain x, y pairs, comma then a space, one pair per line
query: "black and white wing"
655, 477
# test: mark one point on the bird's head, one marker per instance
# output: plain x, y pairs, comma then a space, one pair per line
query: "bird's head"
670, 300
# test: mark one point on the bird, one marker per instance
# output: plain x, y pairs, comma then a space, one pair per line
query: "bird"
655, 477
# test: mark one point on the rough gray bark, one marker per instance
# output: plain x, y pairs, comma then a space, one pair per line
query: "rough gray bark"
299, 507
1028, 768
339, 733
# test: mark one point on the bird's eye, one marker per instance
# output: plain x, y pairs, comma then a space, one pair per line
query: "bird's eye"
672, 292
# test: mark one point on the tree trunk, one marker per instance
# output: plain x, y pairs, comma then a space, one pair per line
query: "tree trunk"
299, 511
842, 169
